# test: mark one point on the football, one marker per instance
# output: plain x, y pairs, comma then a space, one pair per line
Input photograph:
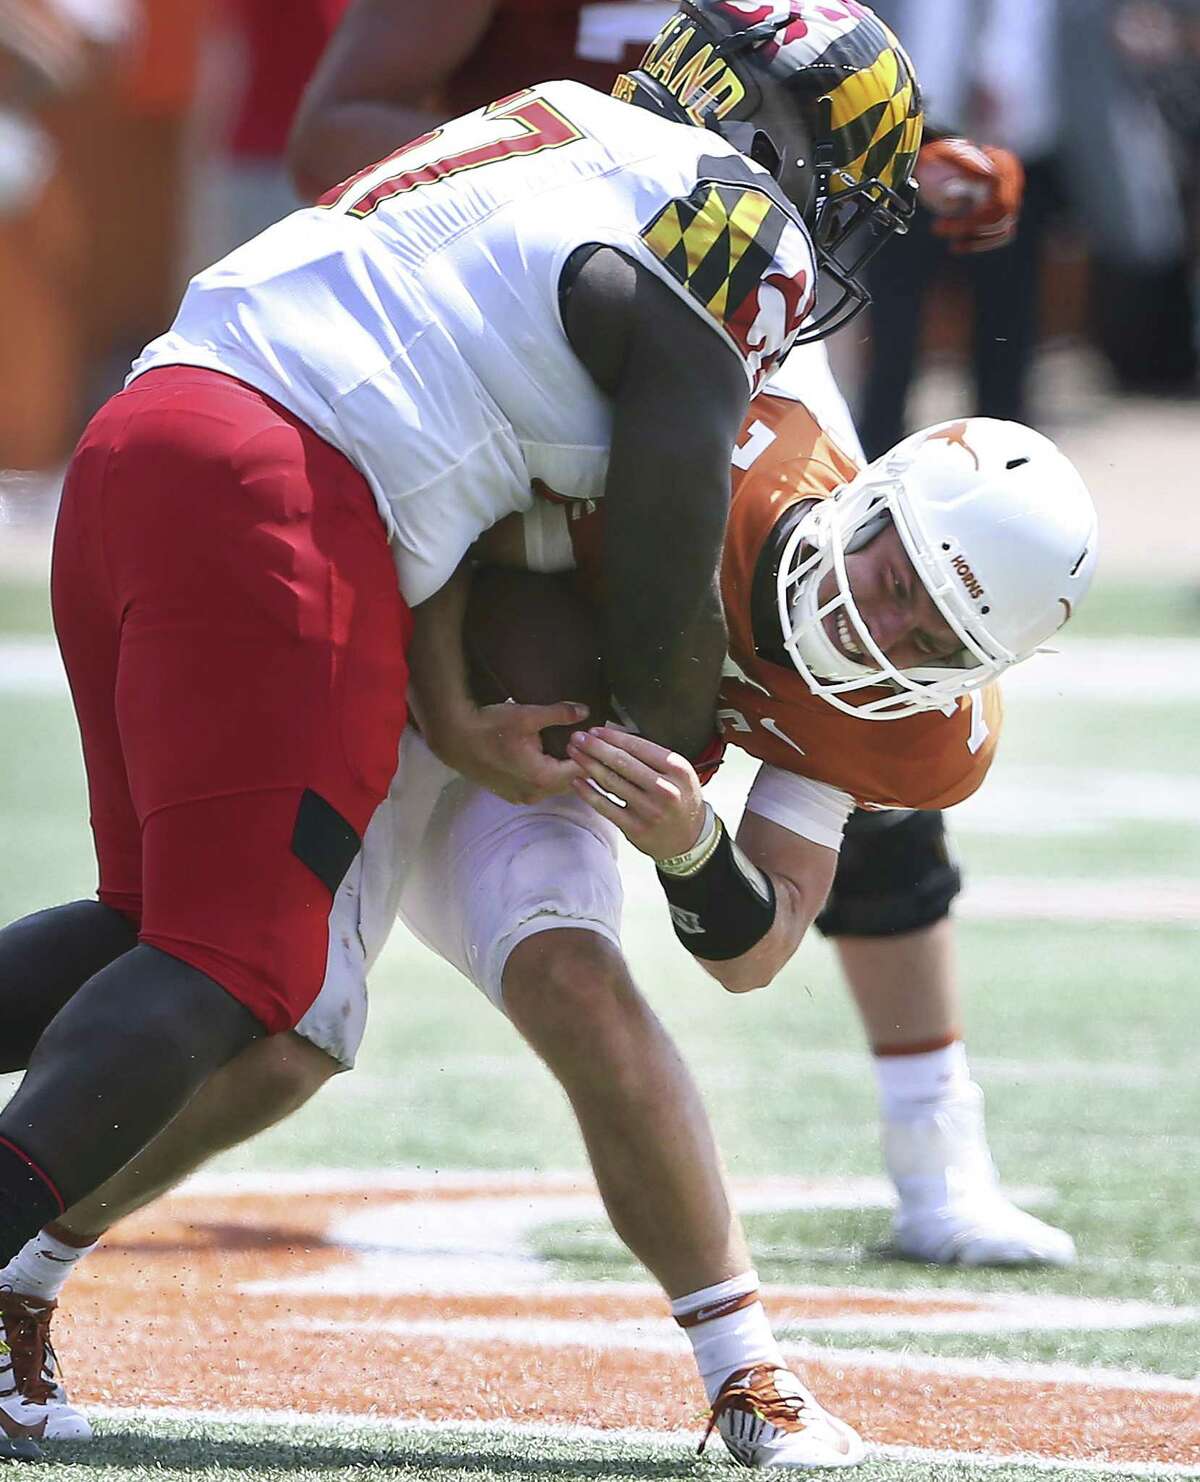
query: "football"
532, 638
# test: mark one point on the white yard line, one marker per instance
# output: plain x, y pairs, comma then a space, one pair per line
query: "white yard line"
322, 1422
1112, 671
1121, 671
1132, 901
1027, 1314
1019, 801
1025, 801
31, 666
838, 1192
773, 1192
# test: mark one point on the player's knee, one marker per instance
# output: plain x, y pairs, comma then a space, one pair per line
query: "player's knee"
562, 974
136, 1036
269, 1080
152, 1016
895, 874
570, 992
279, 1073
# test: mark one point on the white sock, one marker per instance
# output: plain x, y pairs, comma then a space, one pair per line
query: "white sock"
735, 1335
912, 1086
41, 1267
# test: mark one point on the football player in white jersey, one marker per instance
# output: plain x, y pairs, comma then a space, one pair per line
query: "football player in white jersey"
558, 289
889, 911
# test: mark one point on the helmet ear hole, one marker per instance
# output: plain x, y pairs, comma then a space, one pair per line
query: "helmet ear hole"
764, 153
756, 144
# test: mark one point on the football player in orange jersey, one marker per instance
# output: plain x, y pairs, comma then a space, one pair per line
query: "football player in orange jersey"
869, 613
390, 71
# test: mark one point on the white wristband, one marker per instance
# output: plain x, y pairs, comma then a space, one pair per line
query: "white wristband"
696, 857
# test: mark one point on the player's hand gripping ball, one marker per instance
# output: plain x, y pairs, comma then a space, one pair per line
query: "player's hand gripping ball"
531, 638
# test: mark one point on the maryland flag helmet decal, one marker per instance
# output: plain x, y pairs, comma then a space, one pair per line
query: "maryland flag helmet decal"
875, 117
841, 51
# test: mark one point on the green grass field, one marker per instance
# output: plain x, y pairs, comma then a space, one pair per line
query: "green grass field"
1082, 1026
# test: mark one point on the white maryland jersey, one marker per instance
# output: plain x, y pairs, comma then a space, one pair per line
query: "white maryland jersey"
412, 318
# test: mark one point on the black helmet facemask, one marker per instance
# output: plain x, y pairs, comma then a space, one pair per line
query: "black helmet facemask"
849, 226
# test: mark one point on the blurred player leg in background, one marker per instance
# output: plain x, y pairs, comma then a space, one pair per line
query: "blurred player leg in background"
1028, 75
888, 916
987, 71
1130, 168
899, 280
1004, 305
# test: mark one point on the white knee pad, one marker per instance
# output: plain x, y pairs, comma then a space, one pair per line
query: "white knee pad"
470, 876
490, 874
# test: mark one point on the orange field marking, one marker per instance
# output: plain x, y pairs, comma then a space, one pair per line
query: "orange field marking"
160, 1317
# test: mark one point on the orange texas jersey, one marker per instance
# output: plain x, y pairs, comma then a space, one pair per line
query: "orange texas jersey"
928, 760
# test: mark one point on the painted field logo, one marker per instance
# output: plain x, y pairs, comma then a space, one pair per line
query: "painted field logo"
967, 576
407, 1273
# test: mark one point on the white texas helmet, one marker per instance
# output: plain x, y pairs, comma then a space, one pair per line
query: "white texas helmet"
1000, 528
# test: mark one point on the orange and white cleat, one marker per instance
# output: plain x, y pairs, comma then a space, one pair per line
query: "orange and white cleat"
767, 1418
33, 1401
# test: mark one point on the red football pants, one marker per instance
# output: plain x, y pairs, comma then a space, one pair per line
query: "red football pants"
234, 638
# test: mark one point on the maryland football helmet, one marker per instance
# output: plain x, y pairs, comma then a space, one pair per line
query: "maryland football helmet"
822, 94
999, 527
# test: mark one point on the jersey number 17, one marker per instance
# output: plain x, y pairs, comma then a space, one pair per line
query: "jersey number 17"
540, 126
